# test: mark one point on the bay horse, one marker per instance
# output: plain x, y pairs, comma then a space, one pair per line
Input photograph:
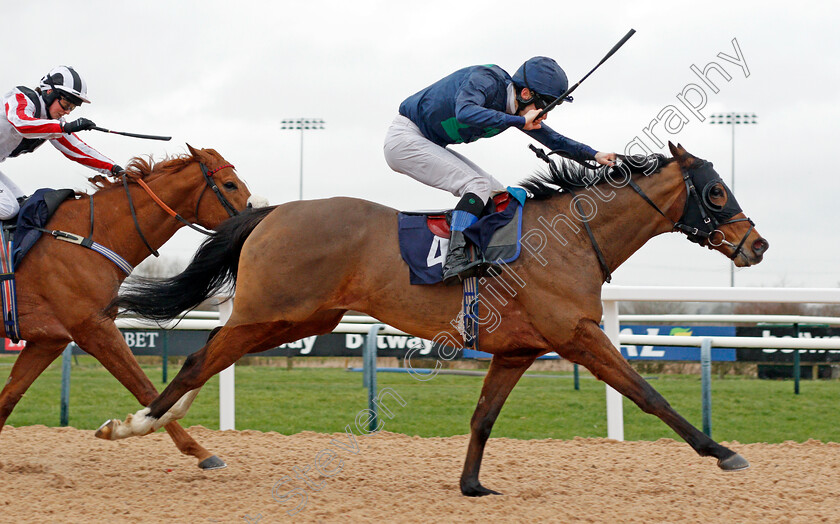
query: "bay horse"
300, 266
64, 289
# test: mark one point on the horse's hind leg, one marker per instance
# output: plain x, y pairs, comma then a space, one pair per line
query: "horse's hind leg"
32, 361
503, 374
104, 342
592, 349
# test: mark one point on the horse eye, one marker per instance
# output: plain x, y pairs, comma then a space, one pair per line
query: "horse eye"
230, 185
717, 191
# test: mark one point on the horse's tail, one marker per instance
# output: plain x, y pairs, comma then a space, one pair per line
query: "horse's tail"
213, 269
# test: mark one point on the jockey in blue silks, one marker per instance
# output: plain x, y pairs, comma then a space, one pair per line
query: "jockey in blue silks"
472, 103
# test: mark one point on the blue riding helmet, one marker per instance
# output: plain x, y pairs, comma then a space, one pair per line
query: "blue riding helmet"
543, 76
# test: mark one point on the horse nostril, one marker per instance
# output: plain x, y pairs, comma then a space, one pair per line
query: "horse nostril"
760, 246
250, 205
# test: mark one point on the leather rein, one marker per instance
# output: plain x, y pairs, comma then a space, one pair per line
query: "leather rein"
209, 183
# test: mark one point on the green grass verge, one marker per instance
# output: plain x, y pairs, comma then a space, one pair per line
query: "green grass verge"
327, 400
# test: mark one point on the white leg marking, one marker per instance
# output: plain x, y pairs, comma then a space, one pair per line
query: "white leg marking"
179, 410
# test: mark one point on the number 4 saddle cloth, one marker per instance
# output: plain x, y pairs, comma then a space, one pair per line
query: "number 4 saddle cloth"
424, 236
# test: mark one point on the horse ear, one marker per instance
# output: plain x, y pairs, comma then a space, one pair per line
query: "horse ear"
194, 152
684, 158
676, 150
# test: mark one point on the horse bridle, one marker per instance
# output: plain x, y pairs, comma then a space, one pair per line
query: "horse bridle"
209, 183
699, 229
702, 229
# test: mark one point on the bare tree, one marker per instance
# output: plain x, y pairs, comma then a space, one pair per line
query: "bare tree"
160, 267
653, 308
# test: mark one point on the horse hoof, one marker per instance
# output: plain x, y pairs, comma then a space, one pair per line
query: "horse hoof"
213, 462
477, 490
733, 463
105, 430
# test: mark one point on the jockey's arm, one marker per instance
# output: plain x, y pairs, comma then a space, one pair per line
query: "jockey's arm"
77, 150
470, 105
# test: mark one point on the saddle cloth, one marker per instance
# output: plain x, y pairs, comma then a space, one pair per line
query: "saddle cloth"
17, 236
424, 236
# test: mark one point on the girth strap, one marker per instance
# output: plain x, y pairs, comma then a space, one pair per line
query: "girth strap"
87, 242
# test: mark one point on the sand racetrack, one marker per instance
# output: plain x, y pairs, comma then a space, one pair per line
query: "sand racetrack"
67, 475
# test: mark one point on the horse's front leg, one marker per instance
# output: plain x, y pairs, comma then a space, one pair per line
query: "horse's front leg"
102, 340
592, 349
503, 374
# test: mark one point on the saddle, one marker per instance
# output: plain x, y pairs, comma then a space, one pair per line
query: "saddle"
35, 211
424, 236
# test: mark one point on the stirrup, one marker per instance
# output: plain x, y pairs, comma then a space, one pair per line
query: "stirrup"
458, 274
471, 267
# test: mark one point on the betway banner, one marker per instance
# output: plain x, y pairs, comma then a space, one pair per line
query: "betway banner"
182, 343
351, 344
151, 342
786, 355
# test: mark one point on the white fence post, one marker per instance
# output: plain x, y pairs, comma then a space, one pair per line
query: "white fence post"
615, 413
227, 386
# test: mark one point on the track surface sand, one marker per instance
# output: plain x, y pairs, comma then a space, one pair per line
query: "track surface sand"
67, 475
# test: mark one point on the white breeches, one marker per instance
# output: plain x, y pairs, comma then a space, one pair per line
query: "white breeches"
408, 152
9, 193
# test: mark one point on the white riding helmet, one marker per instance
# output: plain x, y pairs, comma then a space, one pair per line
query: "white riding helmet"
66, 80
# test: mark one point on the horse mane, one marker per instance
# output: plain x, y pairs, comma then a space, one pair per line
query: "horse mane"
565, 176
139, 167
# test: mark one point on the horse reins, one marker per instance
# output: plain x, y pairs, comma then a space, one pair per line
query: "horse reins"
691, 231
605, 269
602, 261
209, 182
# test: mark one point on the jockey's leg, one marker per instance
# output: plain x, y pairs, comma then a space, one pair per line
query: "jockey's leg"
459, 263
9, 194
408, 152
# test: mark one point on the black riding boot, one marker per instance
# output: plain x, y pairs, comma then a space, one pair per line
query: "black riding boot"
459, 264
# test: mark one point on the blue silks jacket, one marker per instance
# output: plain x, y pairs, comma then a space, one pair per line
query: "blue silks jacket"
470, 104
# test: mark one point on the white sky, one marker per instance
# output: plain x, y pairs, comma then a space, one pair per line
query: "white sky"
223, 74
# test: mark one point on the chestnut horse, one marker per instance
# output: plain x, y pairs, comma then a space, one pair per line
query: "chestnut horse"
299, 267
63, 289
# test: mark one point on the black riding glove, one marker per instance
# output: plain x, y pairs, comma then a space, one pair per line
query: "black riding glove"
117, 170
80, 124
